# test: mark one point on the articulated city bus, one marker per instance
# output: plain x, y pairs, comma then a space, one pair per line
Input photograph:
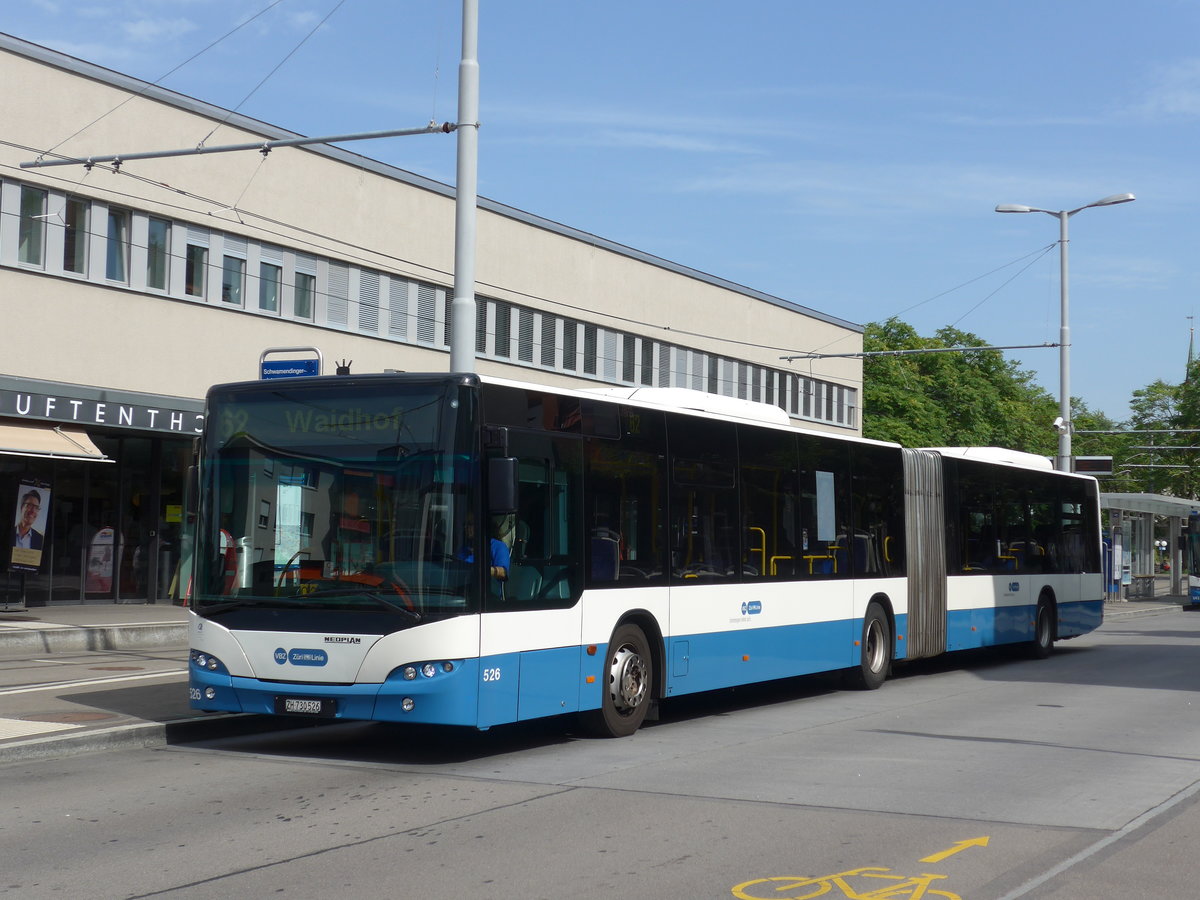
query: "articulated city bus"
1191, 556
464, 550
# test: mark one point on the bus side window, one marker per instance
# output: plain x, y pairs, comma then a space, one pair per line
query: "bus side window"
624, 504
767, 472
705, 537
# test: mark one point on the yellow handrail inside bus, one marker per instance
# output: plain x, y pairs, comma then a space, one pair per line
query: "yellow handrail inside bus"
761, 550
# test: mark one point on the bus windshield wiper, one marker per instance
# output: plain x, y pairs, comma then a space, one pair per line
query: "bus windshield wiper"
371, 594
216, 609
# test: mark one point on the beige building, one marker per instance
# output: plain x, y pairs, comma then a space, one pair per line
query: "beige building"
129, 289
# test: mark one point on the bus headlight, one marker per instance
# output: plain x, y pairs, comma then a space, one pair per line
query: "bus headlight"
207, 661
430, 669
407, 704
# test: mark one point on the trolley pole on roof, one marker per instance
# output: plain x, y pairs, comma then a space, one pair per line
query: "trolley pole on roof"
462, 307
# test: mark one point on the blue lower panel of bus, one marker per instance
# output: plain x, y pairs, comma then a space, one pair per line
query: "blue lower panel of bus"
705, 662
514, 687
1079, 618
971, 628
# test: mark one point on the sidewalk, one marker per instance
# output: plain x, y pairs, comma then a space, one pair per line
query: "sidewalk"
56, 701
110, 626
144, 703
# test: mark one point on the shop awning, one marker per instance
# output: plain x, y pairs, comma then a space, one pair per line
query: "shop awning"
49, 441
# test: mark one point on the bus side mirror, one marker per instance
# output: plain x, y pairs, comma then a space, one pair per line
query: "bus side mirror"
502, 485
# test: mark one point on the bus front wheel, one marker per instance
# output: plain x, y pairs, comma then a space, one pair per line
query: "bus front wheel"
625, 694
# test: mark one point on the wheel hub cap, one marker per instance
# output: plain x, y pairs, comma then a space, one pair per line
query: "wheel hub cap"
627, 679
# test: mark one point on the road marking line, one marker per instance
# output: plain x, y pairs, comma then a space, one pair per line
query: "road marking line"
1130, 827
87, 682
958, 847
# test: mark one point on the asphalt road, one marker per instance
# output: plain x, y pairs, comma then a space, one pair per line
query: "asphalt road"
981, 776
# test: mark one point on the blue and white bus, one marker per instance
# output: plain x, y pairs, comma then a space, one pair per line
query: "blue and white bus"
464, 550
1191, 556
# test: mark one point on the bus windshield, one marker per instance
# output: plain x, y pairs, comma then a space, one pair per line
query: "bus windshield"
328, 500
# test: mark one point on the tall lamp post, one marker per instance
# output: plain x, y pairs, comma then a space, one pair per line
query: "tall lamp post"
1064, 332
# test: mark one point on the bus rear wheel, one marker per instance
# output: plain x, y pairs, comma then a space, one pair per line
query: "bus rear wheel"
875, 651
628, 676
1042, 644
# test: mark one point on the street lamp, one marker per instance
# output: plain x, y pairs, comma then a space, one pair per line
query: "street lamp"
1063, 422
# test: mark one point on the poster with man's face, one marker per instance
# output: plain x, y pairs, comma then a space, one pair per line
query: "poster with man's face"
29, 527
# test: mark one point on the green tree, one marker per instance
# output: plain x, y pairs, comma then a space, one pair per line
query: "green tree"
1159, 459
968, 398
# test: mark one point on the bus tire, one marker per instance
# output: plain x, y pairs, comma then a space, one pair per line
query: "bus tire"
875, 651
628, 677
1042, 644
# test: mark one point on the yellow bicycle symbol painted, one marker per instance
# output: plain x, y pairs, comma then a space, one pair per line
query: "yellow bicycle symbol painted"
791, 887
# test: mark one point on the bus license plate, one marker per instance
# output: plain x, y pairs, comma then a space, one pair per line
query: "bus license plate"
304, 706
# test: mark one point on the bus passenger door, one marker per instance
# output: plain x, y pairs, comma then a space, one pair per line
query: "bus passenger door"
531, 624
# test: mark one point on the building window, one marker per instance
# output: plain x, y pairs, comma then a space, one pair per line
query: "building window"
525, 336
195, 270
590, 349
481, 321
337, 295
570, 344
117, 259
368, 301
269, 277
549, 336
397, 307
233, 280
628, 363
503, 330
158, 244
75, 216
306, 289
31, 245
264, 513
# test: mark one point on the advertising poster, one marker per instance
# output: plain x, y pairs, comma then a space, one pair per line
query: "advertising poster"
100, 562
29, 526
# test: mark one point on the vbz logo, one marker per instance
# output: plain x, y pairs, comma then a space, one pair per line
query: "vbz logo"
281, 656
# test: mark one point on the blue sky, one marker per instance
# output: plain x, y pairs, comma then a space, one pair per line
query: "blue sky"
844, 156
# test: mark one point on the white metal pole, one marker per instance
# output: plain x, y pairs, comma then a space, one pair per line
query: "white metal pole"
1064, 350
462, 307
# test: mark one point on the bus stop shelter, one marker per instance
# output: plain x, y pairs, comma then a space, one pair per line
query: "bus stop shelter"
1130, 537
